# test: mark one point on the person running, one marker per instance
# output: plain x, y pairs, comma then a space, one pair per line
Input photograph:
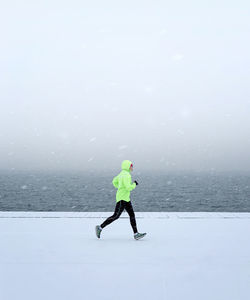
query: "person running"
123, 183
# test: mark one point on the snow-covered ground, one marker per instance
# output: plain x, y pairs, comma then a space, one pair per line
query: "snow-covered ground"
203, 256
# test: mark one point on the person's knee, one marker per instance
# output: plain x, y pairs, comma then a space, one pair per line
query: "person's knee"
116, 216
132, 216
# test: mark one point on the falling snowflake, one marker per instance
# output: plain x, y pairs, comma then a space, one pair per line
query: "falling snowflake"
163, 32
177, 57
113, 84
180, 132
149, 89
123, 147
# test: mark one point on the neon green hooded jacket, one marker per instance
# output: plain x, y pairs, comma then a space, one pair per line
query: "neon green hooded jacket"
123, 182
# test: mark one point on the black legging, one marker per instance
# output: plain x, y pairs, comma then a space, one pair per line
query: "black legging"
118, 210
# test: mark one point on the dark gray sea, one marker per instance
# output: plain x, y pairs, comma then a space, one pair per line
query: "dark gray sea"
75, 191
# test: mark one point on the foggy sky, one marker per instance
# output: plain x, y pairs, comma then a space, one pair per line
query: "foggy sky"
86, 84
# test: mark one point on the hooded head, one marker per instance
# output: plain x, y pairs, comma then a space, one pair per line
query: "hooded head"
126, 165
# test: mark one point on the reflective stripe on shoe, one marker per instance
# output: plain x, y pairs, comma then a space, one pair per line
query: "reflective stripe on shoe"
139, 236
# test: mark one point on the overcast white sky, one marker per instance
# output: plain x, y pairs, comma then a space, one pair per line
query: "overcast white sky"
86, 84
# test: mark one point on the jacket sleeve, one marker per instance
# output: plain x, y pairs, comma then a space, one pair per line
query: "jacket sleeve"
115, 182
127, 183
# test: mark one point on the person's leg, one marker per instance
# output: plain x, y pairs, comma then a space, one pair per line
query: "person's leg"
118, 210
130, 211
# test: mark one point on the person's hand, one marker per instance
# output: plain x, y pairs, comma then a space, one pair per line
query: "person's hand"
136, 182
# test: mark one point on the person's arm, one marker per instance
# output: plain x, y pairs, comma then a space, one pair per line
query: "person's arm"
127, 183
115, 182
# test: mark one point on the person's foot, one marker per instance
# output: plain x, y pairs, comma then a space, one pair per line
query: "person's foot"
98, 230
138, 235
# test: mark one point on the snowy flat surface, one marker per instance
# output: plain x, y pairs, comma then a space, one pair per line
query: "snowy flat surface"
51, 255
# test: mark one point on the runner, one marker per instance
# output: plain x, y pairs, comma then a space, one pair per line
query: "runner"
123, 183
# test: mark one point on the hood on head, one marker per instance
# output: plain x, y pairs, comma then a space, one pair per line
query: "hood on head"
126, 165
